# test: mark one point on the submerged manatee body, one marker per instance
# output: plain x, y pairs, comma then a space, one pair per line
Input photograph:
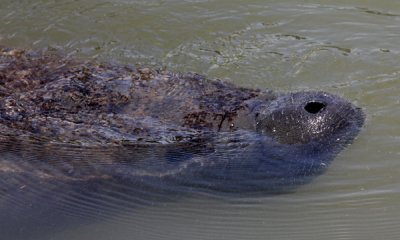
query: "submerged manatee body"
64, 120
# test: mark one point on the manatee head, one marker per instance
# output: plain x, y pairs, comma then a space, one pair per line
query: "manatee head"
304, 117
290, 139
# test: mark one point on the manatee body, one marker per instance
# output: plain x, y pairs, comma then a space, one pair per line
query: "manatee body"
64, 120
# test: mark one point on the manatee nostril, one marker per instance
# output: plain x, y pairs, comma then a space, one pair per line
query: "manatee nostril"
314, 107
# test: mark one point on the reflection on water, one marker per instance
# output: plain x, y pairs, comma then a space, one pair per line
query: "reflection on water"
47, 187
350, 48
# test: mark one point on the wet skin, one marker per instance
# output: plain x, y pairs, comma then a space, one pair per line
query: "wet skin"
161, 129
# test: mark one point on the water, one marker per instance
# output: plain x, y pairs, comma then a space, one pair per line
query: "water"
350, 48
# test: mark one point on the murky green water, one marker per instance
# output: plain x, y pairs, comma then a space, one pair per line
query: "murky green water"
351, 48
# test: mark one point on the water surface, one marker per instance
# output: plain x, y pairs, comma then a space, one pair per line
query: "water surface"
350, 48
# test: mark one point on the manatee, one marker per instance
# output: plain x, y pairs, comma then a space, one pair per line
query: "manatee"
75, 121
81, 138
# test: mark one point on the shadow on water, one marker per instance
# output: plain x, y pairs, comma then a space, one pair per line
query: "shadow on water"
47, 188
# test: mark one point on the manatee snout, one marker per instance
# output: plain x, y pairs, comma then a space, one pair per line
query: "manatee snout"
303, 117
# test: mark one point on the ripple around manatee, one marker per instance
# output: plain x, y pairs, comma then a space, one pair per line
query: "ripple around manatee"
83, 140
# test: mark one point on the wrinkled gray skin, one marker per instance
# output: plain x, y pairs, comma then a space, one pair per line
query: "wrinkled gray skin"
72, 121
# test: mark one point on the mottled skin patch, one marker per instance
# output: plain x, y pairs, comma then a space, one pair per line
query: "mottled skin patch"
162, 127
53, 97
